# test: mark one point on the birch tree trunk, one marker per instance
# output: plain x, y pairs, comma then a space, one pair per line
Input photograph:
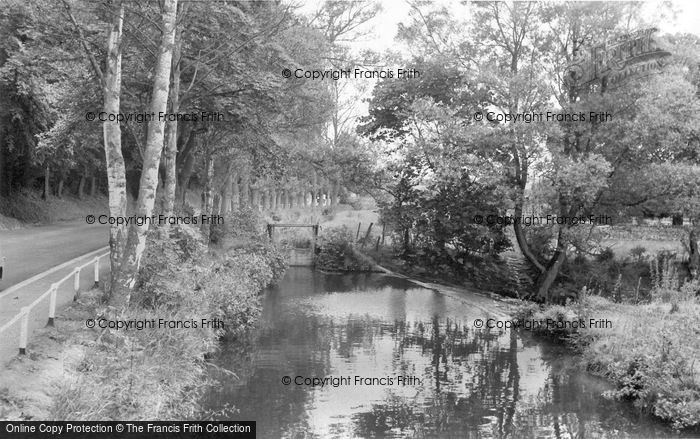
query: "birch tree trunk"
207, 198
112, 134
171, 144
136, 239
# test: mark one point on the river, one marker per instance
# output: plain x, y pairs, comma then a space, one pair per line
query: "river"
405, 361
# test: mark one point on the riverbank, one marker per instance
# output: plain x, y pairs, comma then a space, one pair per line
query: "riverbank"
648, 351
149, 362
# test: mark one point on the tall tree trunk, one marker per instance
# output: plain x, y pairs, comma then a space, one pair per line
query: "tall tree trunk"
263, 199
47, 182
208, 201
171, 143
59, 188
185, 175
216, 204
226, 194
255, 199
93, 185
136, 240
694, 255
335, 196
111, 131
521, 165
81, 186
546, 279
245, 190
184, 161
236, 193
3, 174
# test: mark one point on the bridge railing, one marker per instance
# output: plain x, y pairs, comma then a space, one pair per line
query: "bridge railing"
23, 317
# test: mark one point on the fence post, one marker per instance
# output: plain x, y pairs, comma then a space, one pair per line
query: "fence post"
52, 304
366, 238
76, 284
97, 272
24, 330
313, 243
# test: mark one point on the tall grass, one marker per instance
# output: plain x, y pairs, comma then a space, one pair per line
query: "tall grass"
652, 351
161, 373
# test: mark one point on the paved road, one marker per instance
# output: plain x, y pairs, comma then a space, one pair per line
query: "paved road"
36, 249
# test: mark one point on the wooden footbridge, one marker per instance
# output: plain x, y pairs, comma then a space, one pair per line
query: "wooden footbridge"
298, 257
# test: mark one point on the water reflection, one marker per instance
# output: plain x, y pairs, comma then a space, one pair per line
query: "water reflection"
457, 381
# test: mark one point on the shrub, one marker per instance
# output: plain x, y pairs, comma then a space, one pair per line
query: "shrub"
336, 252
647, 353
240, 226
637, 253
605, 255
160, 373
356, 204
174, 260
26, 207
232, 291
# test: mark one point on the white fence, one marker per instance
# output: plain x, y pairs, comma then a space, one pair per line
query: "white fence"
51, 293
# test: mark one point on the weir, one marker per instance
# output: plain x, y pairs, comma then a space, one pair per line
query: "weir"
297, 257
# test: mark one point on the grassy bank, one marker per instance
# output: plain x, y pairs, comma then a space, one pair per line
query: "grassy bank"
187, 299
28, 208
649, 351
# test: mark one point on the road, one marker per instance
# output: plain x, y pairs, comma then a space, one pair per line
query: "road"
34, 250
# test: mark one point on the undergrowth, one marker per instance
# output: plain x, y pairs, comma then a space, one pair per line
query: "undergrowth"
28, 207
160, 373
650, 352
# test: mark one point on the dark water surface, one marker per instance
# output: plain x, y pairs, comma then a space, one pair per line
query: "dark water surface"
460, 382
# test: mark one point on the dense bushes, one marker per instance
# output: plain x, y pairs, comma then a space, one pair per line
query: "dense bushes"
239, 227
439, 222
629, 278
336, 252
159, 373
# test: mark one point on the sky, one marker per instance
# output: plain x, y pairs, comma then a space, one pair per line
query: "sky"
384, 26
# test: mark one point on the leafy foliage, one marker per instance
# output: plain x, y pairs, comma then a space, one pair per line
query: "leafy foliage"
336, 253
645, 351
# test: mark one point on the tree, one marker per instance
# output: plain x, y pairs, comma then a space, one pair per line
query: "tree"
512, 58
136, 240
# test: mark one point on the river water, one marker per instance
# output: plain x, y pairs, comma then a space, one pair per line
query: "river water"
406, 362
